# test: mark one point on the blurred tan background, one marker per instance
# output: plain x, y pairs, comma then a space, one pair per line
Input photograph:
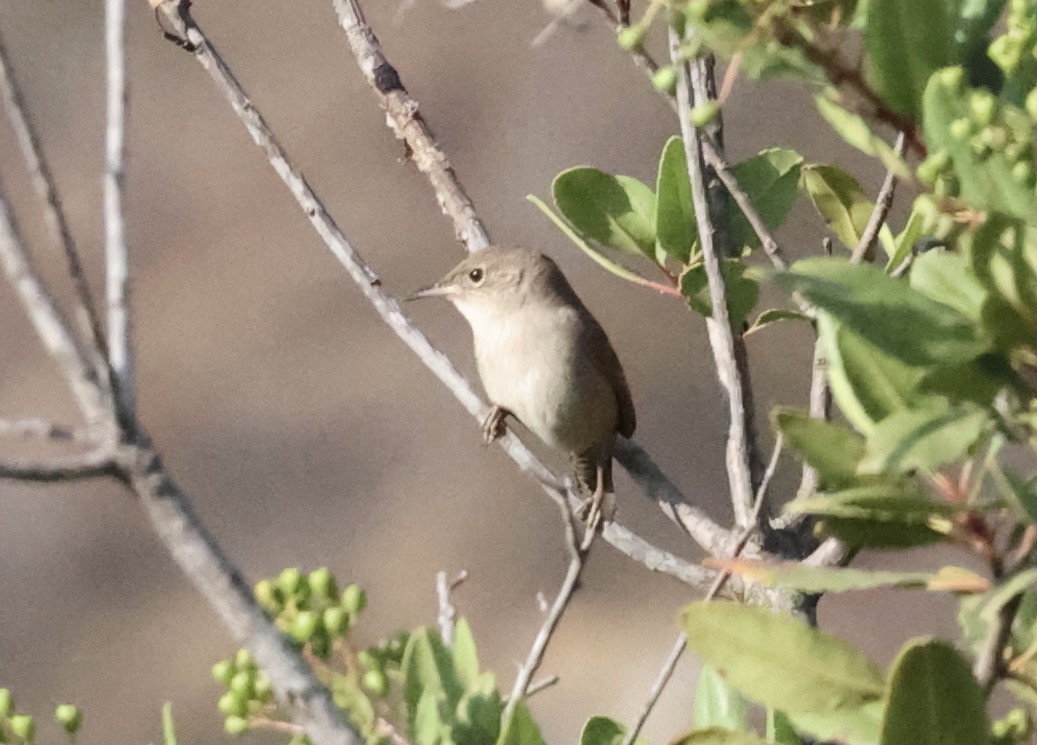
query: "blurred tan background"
305, 432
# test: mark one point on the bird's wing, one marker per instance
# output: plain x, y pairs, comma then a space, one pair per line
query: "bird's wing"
608, 362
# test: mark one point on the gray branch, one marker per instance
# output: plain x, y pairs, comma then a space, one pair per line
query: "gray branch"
883, 204
50, 470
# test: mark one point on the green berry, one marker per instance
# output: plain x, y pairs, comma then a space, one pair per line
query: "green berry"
630, 37
23, 727
376, 682
235, 725
69, 716
336, 620
322, 584
952, 78
304, 625
230, 704
290, 581
665, 80
1022, 172
269, 595
960, 129
704, 113
354, 599
262, 687
981, 106
242, 684
223, 671
994, 138
368, 660
6, 702
243, 660
930, 168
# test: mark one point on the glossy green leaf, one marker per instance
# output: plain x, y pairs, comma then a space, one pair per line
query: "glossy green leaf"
947, 278
742, 292
772, 316
719, 736
866, 383
675, 223
780, 729
905, 240
780, 661
933, 698
830, 448
906, 43
522, 730
466, 658
887, 312
770, 180
616, 211
856, 131
602, 731
717, 704
925, 437
858, 726
840, 200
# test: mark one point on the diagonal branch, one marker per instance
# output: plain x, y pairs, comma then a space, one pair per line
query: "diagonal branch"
388, 308
406, 121
116, 250
67, 468
53, 213
883, 203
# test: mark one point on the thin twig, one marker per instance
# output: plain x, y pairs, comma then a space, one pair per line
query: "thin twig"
883, 203
407, 123
577, 555
65, 468
447, 615
40, 429
990, 659
85, 313
721, 333
389, 309
680, 643
116, 250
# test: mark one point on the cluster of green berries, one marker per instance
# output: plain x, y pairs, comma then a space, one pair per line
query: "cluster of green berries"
1017, 45
15, 727
381, 660
310, 608
249, 691
989, 129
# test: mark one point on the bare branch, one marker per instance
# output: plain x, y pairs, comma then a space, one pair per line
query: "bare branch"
66, 468
302, 696
406, 121
53, 213
721, 334
990, 661
40, 429
48, 322
447, 615
883, 203
370, 285
116, 250
680, 643
577, 555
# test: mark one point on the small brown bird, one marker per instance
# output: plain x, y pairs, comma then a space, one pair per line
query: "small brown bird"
544, 359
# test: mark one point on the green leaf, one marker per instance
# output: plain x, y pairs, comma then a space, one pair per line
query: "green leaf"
840, 200
1007, 589
428, 670
906, 43
522, 730
602, 731
718, 736
717, 704
858, 726
742, 292
478, 714
857, 133
769, 179
833, 450
675, 223
616, 211
780, 729
823, 579
1019, 491
1003, 255
887, 312
466, 659
947, 278
932, 697
926, 437
428, 725
773, 315
905, 241
973, 23
867, 383
779, 661
168, 727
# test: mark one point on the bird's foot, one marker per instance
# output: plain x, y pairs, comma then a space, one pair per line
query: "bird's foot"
493, 427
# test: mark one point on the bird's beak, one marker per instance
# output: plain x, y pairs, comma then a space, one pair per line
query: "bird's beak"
436, 290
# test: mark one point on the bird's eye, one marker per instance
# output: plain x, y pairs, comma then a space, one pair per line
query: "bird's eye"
476, 275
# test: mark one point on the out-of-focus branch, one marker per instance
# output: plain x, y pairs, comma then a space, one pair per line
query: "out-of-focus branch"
883, 203
740, 448
388, 308
53, 212
447, 613
40, 429
65, 468
116, 250
406, 121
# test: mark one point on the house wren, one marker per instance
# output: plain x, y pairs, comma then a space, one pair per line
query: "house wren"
543, 359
